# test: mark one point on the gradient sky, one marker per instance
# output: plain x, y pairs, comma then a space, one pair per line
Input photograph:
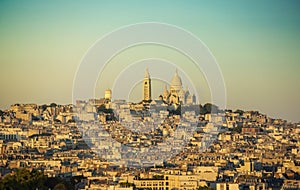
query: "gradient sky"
256, 43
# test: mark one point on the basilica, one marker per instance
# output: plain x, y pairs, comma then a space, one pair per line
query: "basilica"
174, 95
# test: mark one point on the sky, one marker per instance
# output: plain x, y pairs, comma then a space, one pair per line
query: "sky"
256, 44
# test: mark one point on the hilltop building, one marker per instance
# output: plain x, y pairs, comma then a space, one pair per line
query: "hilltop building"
147, 86
176, 94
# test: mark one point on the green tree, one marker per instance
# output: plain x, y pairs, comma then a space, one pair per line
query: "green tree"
237, 129
44, 107
240, 112
102, 109
208, 108
60, 186
53, 105
23, 179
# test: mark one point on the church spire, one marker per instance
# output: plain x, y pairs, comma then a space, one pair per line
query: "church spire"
147, 86
147, 75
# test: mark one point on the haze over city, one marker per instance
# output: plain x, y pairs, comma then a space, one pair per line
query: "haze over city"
255, 44
150, 95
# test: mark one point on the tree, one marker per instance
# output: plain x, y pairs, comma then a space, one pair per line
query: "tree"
60, 186
240, 112
71, 121
53, 105
208, 108
23, 179
102, 109
44, 107
238, 128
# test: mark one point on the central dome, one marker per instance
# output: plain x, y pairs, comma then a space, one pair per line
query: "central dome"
176, 81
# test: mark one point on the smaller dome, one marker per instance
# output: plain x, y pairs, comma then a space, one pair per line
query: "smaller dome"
187, 92
181, 92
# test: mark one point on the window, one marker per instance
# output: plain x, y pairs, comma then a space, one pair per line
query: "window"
222, 187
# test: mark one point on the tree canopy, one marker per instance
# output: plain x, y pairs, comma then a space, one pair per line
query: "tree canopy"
208, 108
240, 112
23, 179
53, 105
102, 109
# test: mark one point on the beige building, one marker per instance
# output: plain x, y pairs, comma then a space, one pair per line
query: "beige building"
147, 86
177, 94
227, 186
169, 182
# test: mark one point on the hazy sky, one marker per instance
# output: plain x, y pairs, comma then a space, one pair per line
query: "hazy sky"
256, 44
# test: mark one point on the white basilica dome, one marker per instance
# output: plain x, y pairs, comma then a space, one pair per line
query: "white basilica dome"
176, 81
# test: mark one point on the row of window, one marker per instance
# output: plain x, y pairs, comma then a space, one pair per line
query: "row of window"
154, 183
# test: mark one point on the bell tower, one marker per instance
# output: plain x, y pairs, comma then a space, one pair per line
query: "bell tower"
147, 86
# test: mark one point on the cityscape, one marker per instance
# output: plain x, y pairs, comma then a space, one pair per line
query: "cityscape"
210, 148
149, 95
